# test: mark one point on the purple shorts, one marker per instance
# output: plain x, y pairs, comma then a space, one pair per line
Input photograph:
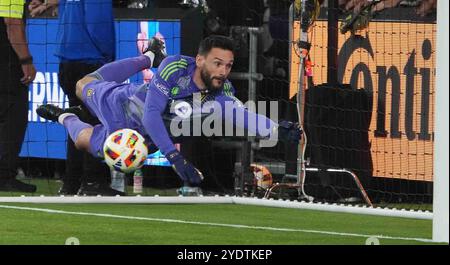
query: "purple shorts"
105, 101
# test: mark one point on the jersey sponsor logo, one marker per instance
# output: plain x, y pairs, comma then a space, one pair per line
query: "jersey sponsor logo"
183, 109
161, 87
227, 89
184, 82
401, 85
175, 91
89, 92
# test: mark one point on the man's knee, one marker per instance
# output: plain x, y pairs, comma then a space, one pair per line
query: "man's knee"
79, 89
83, 141
82, 83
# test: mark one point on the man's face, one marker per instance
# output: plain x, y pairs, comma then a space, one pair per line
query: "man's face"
215, 67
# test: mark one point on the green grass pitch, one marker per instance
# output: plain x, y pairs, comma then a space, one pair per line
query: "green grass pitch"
205, 224
200, 224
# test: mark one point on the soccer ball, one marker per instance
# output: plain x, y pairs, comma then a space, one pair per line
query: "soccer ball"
125, 150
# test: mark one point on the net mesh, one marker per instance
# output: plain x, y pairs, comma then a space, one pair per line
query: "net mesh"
379, 124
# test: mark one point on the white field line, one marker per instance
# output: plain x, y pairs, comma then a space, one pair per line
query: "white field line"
267, 228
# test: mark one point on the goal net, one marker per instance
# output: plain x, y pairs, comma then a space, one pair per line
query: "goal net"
370, 134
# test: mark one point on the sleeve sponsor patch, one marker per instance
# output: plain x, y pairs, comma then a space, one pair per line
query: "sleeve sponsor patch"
161, 86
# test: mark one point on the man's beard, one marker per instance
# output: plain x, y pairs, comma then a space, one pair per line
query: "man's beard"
208, 80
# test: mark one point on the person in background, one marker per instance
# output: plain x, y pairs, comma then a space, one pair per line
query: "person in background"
424, 8
16, 73
86, 41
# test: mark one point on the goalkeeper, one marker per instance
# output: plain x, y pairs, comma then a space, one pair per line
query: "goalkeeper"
142, 106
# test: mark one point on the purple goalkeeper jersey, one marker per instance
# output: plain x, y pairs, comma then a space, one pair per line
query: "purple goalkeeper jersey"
147, 106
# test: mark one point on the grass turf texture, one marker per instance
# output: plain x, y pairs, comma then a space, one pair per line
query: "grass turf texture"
51, 187
30, 227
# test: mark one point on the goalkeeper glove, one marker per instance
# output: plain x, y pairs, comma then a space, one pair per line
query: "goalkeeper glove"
187, 172
289, 131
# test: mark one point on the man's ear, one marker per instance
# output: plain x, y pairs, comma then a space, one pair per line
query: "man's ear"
200, 60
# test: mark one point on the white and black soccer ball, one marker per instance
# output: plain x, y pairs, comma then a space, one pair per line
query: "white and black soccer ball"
125, 150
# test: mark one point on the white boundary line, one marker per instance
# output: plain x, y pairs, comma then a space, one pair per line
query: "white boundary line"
267, 228
341, 208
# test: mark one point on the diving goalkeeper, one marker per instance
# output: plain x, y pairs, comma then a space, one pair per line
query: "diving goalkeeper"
142, 106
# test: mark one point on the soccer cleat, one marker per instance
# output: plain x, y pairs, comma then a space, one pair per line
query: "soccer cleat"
52, 112
158, 49
95, 189
16, 185
189, 191
69, 189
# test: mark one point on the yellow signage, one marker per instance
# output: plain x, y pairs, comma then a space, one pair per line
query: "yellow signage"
396, 61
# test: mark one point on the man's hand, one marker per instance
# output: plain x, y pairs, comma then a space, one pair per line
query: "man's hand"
426, 7
289, 131
385, 4
29, 73
187, 172
37, 7
354, 5
34, 3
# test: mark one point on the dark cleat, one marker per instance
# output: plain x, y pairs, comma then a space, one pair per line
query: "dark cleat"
69, 189
158, 48
16, 185
49, 112
52, 112
95, 189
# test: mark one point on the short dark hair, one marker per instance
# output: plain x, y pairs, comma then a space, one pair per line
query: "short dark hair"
215, 41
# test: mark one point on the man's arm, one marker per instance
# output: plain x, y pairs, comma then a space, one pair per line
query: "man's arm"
17, 37
233, 111
155, 104
259, 125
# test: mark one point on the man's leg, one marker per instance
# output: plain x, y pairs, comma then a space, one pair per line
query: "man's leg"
13, 122
80, 132
89, 139
76, 169
120, 71
73, 173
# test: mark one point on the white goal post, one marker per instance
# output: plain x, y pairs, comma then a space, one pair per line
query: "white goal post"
441, 173
328, 207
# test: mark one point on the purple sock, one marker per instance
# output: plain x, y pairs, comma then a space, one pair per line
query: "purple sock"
74, 126
121, 70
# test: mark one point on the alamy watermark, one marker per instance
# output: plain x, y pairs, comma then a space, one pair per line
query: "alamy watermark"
72, 241
225, 117
372, 241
